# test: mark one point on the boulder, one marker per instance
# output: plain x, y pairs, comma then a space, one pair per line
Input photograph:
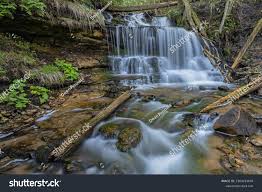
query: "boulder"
128, 138
236, 121
110, 130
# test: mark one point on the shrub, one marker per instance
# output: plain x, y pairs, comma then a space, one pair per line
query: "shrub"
41, 92
16, 95
7, 8
33, 6
71, 73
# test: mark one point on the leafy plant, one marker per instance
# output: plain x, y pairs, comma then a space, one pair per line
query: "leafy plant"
71, 73
7, 8
41, 92
16, 95
33, 6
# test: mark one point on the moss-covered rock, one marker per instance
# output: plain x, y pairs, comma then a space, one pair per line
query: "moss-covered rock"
110, 130
128, 138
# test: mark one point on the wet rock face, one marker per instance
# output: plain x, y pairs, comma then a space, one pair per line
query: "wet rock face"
236, 121
128, 138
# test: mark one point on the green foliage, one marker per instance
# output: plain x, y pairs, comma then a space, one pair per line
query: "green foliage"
33, 6
71, 73
230, 24
2, 71
7, 7
16, 95
49, 69
41, 92
176, 14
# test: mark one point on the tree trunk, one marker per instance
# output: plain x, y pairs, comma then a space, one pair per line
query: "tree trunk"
74, 140
193, 19
247, 44
228, 8
142, 7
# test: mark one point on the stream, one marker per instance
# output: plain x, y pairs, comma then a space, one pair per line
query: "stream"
159, 130
150, 55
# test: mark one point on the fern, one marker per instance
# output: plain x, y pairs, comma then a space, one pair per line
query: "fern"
33, 6
7, 8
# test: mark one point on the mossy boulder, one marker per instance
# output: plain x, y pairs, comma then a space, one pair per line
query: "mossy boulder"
128, 138
110, 130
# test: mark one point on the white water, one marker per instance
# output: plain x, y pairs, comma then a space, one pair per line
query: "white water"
142, 48
152, 155
145, 47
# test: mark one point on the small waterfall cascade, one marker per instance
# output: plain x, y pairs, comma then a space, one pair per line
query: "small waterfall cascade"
152, 50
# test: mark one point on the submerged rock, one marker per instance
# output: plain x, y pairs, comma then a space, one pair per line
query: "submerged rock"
236, 121
128, 138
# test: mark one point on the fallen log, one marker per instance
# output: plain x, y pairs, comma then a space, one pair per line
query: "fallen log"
142, 7
235, 95
247, 44
74, 140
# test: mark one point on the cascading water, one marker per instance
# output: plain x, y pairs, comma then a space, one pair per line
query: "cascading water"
157, 52
142, 52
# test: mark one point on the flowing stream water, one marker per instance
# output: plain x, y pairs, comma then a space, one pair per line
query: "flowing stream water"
148, 53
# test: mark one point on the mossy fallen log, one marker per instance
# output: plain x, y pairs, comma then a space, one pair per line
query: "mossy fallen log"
74, 140
142, 7
235, 95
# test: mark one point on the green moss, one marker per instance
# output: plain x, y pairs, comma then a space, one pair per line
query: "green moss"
128, 138
110, 130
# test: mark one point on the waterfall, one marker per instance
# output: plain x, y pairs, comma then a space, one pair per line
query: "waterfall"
157, 52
